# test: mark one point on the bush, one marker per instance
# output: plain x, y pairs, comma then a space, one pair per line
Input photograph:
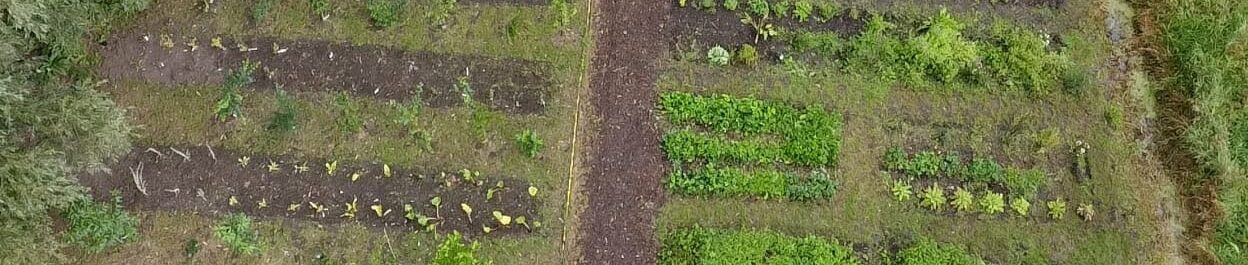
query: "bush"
928, 252
933, 198
235, 230
992, 203
731, 5
802, 10
747, 55
452, 251
98, 226
941, 51
283, 119
707, 246
1024, 183
718, 56
530, 144
386, 13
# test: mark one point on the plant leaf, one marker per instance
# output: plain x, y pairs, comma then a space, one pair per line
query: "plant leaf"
502, 219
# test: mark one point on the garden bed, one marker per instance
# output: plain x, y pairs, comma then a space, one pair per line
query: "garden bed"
508, 85
204, 185
701, 28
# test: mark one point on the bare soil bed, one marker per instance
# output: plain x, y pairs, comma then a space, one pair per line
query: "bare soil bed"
724, 28
204, 185
508, 85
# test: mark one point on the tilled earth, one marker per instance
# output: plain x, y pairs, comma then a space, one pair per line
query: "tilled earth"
203, 185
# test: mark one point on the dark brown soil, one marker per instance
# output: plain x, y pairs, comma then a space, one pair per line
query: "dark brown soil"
175, 184
704, 28
623, 182
508, 85
506, 2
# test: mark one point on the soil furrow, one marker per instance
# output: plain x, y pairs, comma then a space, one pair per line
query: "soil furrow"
623, 183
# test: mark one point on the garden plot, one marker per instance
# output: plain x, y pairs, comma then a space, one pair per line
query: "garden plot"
202, 180
509, 85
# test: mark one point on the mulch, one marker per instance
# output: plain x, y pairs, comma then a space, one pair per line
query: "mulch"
624, 179
508, 85
204, 185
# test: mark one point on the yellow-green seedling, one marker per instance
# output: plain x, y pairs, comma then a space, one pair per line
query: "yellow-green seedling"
502, 218
273, 166
385, 170
331, 167
351, 209
244, 161
294, 207
233, 201
467, 211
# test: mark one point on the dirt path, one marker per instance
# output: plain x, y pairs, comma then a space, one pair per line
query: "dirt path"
623, 182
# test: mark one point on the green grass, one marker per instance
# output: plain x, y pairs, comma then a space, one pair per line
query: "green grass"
711, 246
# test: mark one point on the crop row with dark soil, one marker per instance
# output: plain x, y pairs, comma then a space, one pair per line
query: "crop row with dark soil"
213, 182
509, 85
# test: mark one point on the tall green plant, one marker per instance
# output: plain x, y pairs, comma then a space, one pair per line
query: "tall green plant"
530, 144
230, 103
235, 230
452, 251
98, 226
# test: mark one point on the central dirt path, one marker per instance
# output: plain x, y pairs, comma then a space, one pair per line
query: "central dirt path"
623, 182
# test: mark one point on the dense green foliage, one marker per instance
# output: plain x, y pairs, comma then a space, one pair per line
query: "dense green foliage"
230, 103
53, 124
979, 171
236, 232
97, 226
453, 251
697, 245
728, 182
718, 56
928, 252
942, 52
386, 13
747, 55
349, 120
1024, 183
530, 144
284, 117
1205, 40
1021, 60
812, 135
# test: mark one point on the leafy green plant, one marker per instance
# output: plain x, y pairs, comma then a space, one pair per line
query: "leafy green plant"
901, 190
818, 184
802, 9
747, 55
386, 13
1086, 211
235, 231
983, 170
1057, 208
1022, 61
260, 10
728, 182
709, 246
230, 103
321, 8
812, 135
1024, 183
992, 203
283, 119
928, 252
963, 200
98, 226
564, 12
941, 51
709, 4
762, 27
827, 43
933, 198
349, 120
1020, 206
731, 5
759, 8
453, 251
718, 55
781, 8
827, 10
530, 144
442, 12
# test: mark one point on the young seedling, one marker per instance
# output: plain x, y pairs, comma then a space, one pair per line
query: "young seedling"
437, 206
1086, 211
318, 208
166, 41
294, 207
1057, 208
351, 209
467, 211
216, 43
331, 167
901, 190
385, 170
244, 161
301, 168
409, 212
193, 44
264, 203
381, 211
356, 176
487, 229
521, 220
532, 191
273, 167
502, 218
233, 201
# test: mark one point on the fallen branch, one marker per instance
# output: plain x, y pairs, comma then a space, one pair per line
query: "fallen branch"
185, 157
211, 153
137, 174
158, 153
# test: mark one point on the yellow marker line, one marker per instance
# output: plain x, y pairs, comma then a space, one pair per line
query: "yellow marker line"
576, 121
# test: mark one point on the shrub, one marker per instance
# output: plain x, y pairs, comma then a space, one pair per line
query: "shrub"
992, 203
926, 251
386, 13
731, 5
747, 55
827, 9
1057, 208
818, 184
760, 8
98, 226
349, 120
901, 190
283, 119
452, 251
1020, 206
260, 10
718, 55
530, 144
802, 10
1024, 183
235, 230
707, 246
933, 197
942, 52
1022, 61
963, 200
